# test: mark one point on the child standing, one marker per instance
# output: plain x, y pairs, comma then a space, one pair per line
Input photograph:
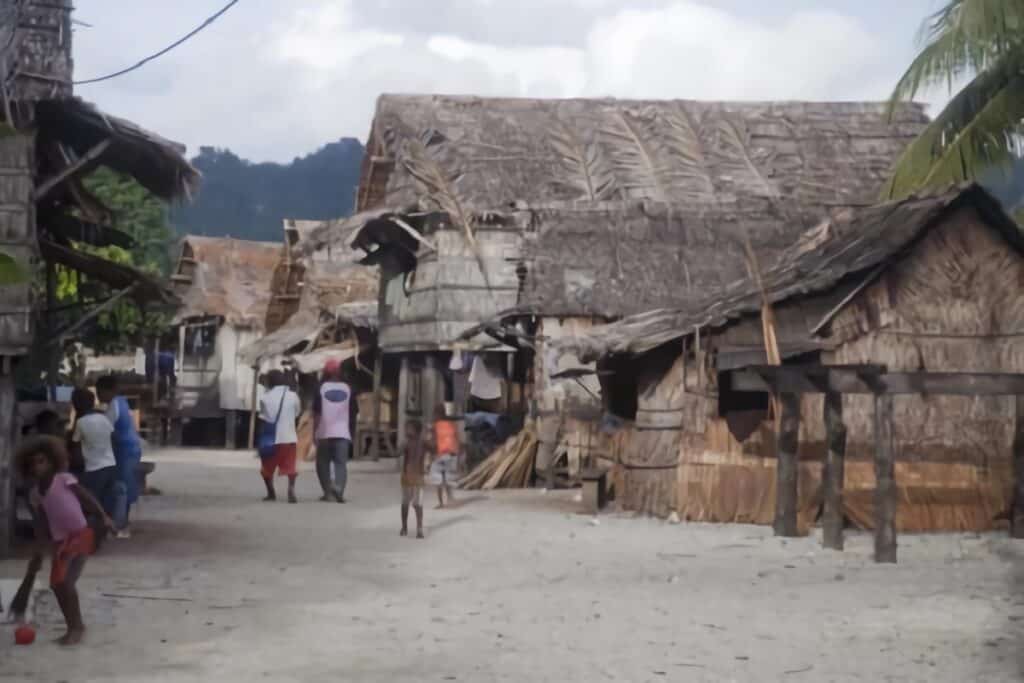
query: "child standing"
446, 449
92, 435
413, 460
58, 501
127, 447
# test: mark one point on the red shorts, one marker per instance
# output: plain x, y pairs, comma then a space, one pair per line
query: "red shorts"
72, 551
283, 461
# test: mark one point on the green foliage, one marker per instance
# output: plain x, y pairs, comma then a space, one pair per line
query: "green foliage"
144, 217
980, 127
11, 272
250, 201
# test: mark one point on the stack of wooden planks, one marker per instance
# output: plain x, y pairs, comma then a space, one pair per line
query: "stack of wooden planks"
509, 466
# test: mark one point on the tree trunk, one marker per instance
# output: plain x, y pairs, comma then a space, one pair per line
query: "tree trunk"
8, 427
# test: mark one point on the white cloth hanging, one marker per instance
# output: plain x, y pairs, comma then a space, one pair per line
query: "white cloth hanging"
484, 382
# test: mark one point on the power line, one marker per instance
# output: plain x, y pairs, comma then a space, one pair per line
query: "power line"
164, 51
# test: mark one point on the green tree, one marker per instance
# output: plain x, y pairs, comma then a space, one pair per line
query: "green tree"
979, 40
144, 217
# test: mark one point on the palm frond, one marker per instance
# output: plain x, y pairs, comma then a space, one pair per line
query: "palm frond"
962, 39
683, 139
736, 157
638, 171
438, 189
583, 161
979, 128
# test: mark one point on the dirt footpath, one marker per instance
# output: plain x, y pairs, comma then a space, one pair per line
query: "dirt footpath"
514, 586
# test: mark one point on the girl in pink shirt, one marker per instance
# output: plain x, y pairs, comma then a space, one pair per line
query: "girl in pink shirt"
57, 504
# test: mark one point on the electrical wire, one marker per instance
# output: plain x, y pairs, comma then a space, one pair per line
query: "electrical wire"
167, 49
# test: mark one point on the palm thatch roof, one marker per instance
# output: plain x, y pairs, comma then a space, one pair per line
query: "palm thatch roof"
225, 277
849, 250
157, 163
497, 150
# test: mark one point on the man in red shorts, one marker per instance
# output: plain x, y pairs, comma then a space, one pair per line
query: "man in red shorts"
279, 410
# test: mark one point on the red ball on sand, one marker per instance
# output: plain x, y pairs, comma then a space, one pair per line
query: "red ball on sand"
24, 635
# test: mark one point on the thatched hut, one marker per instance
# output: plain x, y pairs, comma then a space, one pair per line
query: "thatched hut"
902, 285
442, 175
222, 283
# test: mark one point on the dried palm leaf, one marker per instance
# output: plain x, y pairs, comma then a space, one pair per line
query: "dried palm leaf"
736, 158
438, 190
583, 161
638, 170
684, 139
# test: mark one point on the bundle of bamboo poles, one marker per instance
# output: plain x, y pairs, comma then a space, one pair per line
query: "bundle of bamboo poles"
509, 466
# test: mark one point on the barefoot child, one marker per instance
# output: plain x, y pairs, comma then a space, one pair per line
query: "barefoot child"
58, 501
446, 456
413, 460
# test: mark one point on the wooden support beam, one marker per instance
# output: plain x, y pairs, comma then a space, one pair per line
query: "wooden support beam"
787, 471
57, 336
378, 371
79, 165
1017, 520
230, 427
841, 380
832, 480
8, 431
885, 482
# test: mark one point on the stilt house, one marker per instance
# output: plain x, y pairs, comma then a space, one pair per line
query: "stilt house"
455, 190
914, 303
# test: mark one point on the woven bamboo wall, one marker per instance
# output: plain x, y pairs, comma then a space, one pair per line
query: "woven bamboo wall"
952, 305
17, 233
448, 293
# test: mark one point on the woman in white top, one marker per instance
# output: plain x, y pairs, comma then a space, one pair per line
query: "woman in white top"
92, 434
279, 410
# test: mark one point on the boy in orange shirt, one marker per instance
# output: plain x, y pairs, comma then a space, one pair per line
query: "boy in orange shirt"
446, 455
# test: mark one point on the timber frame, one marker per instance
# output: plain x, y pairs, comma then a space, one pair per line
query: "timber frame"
788, 382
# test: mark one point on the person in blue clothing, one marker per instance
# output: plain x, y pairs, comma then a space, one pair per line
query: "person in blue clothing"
127, 448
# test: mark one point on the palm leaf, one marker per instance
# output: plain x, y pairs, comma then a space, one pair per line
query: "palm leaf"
438, 189
683, 139
963, 38
976, 130
736, 158
583, 161
11, 272
636, 164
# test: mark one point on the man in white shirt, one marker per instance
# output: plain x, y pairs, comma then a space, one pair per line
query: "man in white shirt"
91, 434
279, 411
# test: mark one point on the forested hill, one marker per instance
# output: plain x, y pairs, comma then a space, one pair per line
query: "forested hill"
249, 201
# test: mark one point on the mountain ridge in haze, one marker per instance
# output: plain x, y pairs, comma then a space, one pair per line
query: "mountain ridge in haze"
247, 200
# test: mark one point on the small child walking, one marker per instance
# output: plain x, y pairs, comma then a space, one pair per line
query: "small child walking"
444, 467
413, 461
59, 505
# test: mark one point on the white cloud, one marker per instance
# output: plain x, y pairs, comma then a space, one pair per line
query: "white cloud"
271, 81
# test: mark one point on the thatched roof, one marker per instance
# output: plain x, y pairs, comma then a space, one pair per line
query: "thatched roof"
226, 277
612, 259
157, 163
849, 250
503, 150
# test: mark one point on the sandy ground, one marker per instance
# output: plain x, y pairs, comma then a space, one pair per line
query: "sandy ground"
512, 586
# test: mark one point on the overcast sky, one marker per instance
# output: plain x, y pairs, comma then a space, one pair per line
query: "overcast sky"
275, 79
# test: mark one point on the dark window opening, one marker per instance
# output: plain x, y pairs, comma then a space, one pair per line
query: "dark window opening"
619, 387
744, 411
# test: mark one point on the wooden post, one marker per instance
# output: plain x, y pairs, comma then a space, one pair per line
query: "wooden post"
8, 429
230, 427
835, 440
55, 349
787, 470
156, 371
1017, 521
885, 486
378, 371
254, 408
